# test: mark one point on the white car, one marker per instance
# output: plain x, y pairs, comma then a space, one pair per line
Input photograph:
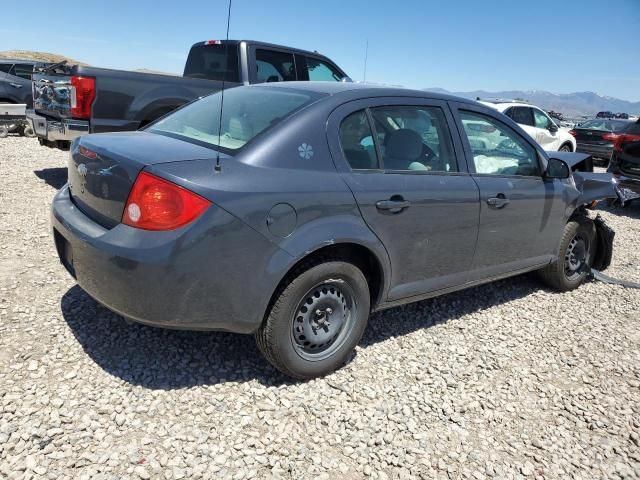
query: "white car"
537, 124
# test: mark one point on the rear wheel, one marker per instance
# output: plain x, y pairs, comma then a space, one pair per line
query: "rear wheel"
316, 321
577, 250
4, 131
565, 148
28, 131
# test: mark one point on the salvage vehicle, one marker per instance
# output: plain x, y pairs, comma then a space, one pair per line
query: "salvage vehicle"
625, 160
300, 208
537, 124
596, 137
70, 101
13, 120
15, 80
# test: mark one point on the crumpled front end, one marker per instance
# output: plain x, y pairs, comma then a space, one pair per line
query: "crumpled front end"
593, 187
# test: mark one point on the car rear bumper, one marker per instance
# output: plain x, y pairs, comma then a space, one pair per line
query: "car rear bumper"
66, 129
178, 279
598, 151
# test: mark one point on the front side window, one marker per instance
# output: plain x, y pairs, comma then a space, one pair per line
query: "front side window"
321, 71
356, 139
247, 112
521, 115
541, 120
414, 138
496, 149
274, 66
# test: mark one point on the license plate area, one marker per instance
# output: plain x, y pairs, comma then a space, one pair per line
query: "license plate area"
65, 252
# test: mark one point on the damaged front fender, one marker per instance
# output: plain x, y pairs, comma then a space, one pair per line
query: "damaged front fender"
595, 186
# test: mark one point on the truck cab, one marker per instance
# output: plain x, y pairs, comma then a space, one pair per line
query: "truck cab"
70, 101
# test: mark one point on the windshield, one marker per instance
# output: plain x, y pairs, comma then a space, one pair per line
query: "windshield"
247, 112
605, 125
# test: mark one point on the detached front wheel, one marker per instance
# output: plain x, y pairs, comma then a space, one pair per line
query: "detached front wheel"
316, 321
577, 250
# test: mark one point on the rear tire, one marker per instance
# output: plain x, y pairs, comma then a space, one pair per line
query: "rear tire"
316, 320
575, 256
4, 131
566, 148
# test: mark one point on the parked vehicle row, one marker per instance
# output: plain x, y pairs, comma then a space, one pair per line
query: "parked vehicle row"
309, 205
625, 159
597, 137
70, 101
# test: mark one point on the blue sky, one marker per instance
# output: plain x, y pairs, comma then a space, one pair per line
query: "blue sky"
556, 45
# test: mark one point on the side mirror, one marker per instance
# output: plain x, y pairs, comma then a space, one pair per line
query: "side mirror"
346, 80
557, 168
553, 128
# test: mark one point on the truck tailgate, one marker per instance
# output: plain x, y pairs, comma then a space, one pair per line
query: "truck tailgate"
52, 95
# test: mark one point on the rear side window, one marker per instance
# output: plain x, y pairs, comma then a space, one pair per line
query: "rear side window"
274, 66
248, 112
496, 149
5, 67
521, 115
23, 70
414, 138
213, 62
321, 71
356, 139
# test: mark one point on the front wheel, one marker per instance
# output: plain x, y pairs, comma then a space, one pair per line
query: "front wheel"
565, 148
577, 250
316, 321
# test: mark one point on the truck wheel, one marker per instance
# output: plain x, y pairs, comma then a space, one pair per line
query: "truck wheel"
577, 250
316, 320
28, 131
4, 131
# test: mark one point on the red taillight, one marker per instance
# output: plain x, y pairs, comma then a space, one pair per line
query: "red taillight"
83, 93
618, 139
573, 133
156, 204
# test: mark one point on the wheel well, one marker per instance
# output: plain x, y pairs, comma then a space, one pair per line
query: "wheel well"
353, 253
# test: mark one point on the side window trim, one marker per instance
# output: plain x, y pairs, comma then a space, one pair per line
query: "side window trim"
457, 108
376, 141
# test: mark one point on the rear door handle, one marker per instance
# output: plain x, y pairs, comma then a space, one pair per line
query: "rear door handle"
393, 206
499, 201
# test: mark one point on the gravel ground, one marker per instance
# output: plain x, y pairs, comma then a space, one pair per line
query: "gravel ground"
507, 380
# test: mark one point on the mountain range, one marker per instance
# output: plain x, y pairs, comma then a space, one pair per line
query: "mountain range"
569, 104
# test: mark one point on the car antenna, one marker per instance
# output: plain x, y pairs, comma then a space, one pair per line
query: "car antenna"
218, 168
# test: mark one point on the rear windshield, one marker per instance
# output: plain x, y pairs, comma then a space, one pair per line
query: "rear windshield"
213, 62
605, 125
247, 112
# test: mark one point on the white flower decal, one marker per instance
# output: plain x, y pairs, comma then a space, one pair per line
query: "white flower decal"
305, 151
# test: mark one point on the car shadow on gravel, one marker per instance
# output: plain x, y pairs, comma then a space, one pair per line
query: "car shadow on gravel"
164, 359
55, 177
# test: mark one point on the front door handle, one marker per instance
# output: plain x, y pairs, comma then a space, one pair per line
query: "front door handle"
393, 205
499, 201
15, 85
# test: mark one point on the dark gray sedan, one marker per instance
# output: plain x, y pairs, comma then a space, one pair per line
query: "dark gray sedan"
303, 207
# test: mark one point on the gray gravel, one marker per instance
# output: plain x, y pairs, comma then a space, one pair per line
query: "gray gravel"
507, 380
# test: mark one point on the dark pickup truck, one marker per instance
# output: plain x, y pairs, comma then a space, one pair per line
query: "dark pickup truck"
70, 101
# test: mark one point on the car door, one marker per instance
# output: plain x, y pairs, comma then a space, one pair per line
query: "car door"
408, 177
18, 83
522, 214
4, 70
546, 130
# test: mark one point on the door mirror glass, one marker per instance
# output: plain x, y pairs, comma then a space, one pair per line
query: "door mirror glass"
557, 168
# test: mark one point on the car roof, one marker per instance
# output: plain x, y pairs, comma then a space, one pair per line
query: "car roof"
19, 60
501, 106
258, 43
361, 90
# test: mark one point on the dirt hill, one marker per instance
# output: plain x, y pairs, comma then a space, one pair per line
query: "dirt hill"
39, 56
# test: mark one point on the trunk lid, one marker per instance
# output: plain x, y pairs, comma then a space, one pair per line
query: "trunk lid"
591, 137
103, 168
52, 94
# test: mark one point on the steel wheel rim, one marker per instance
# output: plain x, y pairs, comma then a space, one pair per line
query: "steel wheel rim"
576, 257
323, 320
